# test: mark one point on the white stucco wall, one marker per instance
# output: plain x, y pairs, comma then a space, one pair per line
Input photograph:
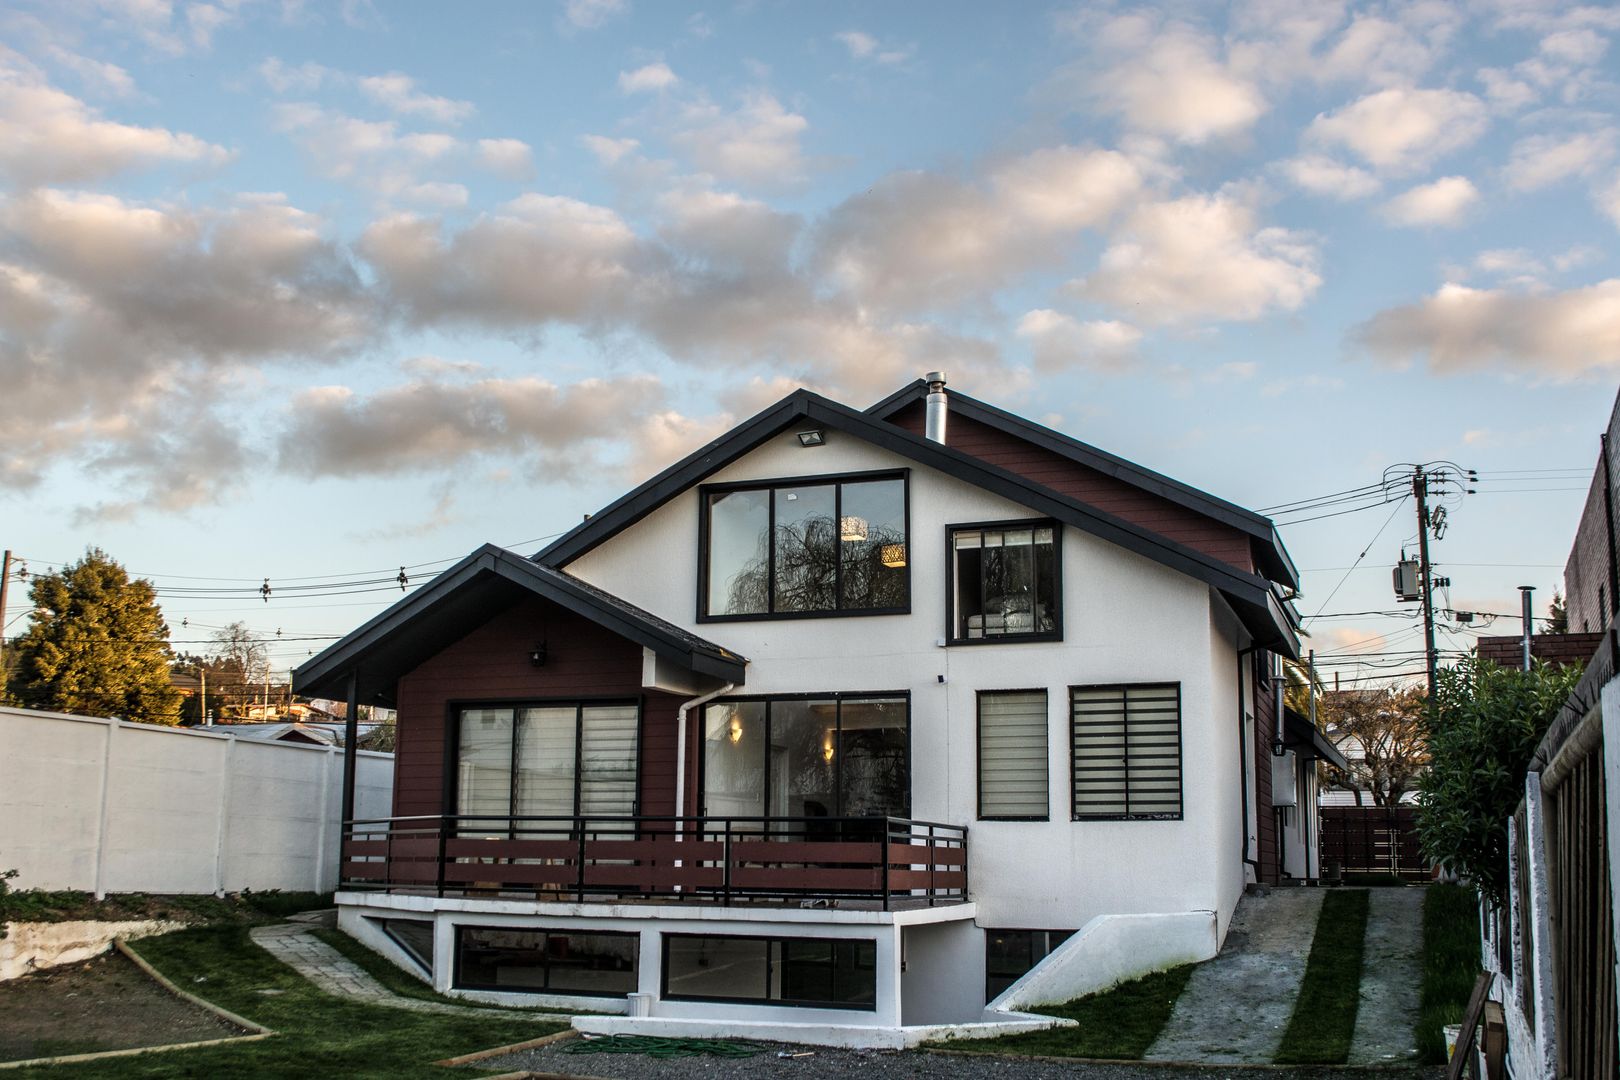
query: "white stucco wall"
1109, 950
1126, 619
107, 806
942, 975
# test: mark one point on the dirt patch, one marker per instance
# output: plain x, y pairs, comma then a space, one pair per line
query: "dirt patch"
102, 1004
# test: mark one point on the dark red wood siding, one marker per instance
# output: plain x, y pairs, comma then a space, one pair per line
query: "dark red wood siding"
492, 664
1265, 824
1088, 485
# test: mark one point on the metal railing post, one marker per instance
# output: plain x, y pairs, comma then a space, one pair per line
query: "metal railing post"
888, 823
933, 866
725, 865
579, 823
444, 829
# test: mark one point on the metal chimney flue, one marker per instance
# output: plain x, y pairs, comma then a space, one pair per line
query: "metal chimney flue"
938, 409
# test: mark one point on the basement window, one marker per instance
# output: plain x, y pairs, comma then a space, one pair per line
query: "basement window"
1009, 954
820, 973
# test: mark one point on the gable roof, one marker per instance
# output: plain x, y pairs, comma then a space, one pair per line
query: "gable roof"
1299, 733
1251, 596
1273, 556
463, 596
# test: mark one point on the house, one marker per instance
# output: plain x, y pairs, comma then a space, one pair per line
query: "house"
832, 730
1297, 795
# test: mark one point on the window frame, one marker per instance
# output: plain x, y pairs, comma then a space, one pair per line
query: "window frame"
1181, 756
1056, 633
545, 932
978, 753
664, 940
839, 696
705, 491
452, 740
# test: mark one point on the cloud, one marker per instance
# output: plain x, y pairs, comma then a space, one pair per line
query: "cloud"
607, 150
757, 143
650, 78
374, 154
306, 78
398, 93
1167, 80
1321, 175
1556, 334
48, 136
1608, 200
1402, 130
1060, 342
590, 14
1541, 160
98, 75
1443, 202
1202, 257
435, 425
510, 159
863, 46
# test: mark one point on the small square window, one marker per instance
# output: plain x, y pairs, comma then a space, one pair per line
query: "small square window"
1005, 582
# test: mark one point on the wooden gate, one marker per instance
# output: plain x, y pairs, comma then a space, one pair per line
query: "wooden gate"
1373, 840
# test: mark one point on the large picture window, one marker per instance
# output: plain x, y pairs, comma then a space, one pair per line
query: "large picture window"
599, 963
826, 545
552, 760
828, 973
1005, 582
807, 757
1127, 751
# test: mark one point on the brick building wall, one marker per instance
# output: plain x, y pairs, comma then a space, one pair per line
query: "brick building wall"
1587, 587
1559, 650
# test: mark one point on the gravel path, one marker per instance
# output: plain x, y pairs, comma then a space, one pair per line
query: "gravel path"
1236, 1006
1391, 978
554, 1060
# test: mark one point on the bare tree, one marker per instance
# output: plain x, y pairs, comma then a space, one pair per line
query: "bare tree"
1382, 735
240, 663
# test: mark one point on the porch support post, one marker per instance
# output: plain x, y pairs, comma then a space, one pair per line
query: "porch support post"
351, 736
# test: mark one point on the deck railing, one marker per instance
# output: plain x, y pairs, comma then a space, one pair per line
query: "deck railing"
712, 859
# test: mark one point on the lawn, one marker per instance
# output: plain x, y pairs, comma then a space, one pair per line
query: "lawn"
1119, 1023
317, 1035
1324, 1018
401, 982
39, 905
1450, 964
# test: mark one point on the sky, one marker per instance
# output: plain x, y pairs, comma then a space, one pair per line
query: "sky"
307, 293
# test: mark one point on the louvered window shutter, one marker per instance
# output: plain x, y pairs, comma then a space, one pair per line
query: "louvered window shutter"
1127, 751
1013, 755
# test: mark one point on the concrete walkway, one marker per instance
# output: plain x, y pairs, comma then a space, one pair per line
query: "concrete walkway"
294, 945
1391, 978
1236, 1007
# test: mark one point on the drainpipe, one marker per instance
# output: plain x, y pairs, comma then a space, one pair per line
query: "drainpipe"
1243, 762
680, 750
937, 408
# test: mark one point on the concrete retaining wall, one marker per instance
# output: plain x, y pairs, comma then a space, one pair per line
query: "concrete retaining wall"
1108, 950
30, 946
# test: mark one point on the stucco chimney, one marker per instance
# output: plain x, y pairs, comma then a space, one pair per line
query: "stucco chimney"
938, 410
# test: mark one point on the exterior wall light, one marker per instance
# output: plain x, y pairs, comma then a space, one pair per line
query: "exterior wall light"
537, 655
814, 437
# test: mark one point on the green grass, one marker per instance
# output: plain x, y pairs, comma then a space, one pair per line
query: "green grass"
1450, 965
401, 982
317, 1035
1119, 1023
41, 905
1324, 1017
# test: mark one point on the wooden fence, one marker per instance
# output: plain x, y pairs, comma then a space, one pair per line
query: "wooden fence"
1373, 840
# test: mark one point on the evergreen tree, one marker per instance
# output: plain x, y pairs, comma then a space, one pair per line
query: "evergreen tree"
96, 645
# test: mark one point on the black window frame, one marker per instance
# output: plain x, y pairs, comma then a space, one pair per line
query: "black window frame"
1054, 938
978, 753
385, 923
452, 740
839, 696
546, 931
1181, 757
1054, 634
837, 480
768, 1002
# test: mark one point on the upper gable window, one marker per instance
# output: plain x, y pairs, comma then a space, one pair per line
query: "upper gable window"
820, 545
1006, 582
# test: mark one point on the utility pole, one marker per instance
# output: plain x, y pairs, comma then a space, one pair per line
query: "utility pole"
5, 581
207, 717
1420, 491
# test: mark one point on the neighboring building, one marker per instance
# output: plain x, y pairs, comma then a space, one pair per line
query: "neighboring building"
1296, 795
829, 727
285, 732
1592, 573
1559, 650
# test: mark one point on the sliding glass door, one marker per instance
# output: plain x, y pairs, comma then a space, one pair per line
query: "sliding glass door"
555, 760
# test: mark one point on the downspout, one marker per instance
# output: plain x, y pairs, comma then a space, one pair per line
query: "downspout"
1243, 763
680, 750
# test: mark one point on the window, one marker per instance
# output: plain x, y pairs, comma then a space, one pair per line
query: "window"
825, 545
600, 963
414, 938
1012, 755
556, 760
807, 757
1005, 582
1009, 954
1127, 751
826, 973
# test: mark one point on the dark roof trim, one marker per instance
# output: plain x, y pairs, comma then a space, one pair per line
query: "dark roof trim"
1299, 732
1250, 594
607, 611
1277, 562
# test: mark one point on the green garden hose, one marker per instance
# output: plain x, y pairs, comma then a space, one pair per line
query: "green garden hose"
654, 1046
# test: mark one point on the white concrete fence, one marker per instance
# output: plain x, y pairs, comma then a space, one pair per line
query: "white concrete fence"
110, 807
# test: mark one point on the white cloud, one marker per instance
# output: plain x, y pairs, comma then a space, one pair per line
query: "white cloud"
204, 20
1170, 81
306, 78
1065, 187
1608, 200
373, 154
99, 75
1324, 176
1059, 342
1202, 257
398, 93
1557, 334
757, 143
1402, 130
1540, 160
649, 78
1444, 202
511, 159
607, 150
863, 46
48, 136
590, 14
